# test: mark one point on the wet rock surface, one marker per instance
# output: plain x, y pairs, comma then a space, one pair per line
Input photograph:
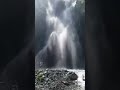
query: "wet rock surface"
47, 79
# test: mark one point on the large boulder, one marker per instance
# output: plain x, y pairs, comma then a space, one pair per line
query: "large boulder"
72, 76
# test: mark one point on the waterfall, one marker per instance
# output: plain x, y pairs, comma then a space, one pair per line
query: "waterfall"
62, 37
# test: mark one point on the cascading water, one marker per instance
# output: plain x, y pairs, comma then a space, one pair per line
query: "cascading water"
62, 39
63, 46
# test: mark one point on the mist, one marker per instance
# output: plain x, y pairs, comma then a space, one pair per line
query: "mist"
59, 44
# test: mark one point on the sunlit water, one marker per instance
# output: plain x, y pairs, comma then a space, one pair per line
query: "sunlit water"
63, 34
60, 31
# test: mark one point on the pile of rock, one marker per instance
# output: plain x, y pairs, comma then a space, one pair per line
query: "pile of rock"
47, 79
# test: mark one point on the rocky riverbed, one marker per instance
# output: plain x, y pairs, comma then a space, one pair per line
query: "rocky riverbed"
59, 79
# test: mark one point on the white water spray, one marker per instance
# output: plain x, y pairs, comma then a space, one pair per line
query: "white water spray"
63, 34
